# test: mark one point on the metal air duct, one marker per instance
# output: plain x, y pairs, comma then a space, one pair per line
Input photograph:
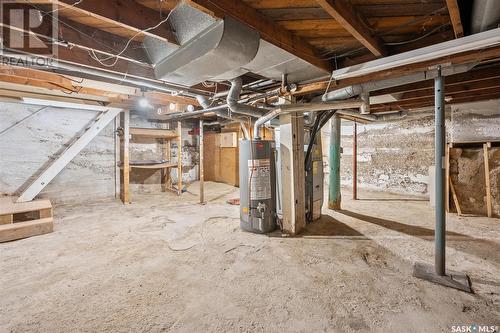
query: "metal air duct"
218, 51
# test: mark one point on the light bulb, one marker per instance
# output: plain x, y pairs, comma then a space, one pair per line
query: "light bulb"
144, 103
172, 106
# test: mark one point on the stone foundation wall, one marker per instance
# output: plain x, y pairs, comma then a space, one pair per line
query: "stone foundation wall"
395, 156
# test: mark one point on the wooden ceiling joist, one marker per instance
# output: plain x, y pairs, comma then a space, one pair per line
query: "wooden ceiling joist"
122, 17
268, 29
345, 15
456, 21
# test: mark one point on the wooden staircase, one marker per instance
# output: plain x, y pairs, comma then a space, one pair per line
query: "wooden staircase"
25, 219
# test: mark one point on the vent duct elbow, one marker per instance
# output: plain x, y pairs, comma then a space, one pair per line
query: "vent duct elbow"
234, 106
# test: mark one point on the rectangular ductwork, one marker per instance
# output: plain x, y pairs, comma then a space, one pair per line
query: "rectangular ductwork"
222, 48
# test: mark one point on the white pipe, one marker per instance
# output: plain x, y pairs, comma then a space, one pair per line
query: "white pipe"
101, 73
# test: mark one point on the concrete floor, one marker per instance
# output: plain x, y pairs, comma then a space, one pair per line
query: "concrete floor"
169, 264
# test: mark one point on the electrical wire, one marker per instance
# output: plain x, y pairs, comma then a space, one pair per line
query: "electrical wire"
101, 61
417, 38
57, 9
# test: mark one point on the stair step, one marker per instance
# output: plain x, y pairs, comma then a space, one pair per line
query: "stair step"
14, 231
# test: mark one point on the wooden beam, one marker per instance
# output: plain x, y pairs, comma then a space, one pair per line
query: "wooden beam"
13, 231
461, 58
456, 21
345, 15
116, 94
472, 76
426, 102
268, 29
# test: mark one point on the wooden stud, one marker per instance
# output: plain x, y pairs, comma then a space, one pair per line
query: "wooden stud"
179, 158
164, 171
455, 198
117, 142
202, 176
489, 211
124, 157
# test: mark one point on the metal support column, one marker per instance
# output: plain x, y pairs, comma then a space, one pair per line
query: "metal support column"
438, 274
440, 142
334, 197
355, 161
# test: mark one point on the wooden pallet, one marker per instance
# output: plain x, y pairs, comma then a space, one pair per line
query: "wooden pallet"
25, 219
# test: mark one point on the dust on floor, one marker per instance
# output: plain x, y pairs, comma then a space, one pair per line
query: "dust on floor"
169, 264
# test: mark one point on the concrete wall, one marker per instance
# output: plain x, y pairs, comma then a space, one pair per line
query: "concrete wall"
396, 156
91, 175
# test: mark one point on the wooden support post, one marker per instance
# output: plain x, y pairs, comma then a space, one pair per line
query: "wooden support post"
124, 157
116, 137
179, 158
166, 157
355, 162
202, 177
489, 211
292, 173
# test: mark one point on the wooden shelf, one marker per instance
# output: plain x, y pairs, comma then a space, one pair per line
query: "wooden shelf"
163, 165
165, 137
154, 133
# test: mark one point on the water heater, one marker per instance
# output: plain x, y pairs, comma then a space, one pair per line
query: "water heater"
257, 186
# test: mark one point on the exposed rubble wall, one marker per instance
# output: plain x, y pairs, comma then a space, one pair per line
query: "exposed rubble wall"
396, 156
470, 123
91, 174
